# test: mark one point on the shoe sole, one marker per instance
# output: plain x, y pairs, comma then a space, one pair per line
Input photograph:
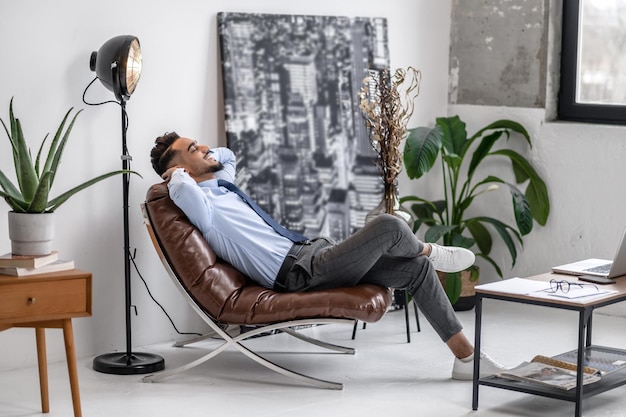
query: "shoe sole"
452, 271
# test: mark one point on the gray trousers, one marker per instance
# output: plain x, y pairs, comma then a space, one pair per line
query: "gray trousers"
384, 252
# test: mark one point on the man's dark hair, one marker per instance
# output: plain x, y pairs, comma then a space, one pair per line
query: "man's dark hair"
161, 154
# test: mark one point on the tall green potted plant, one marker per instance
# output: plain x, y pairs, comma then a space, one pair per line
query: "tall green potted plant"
453, 219
31, 225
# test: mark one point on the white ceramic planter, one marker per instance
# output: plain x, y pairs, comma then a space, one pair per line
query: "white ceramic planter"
31, 233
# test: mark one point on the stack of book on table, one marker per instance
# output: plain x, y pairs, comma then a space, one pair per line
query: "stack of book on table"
23, 265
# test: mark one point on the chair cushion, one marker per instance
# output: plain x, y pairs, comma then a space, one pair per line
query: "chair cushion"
228, 296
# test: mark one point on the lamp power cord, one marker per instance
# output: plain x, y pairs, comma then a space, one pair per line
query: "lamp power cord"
132, 259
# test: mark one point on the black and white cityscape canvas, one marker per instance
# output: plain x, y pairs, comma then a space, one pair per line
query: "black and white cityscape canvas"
291, 87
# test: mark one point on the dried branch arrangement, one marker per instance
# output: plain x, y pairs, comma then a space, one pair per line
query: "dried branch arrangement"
387, 104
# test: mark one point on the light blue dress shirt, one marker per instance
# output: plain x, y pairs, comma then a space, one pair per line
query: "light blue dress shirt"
233, 230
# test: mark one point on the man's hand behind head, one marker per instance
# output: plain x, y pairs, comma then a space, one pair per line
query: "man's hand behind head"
168, 174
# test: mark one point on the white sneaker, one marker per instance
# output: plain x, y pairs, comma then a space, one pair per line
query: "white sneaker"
463, 369
451, 258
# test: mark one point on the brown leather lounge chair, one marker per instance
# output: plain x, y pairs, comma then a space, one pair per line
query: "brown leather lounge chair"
223, 296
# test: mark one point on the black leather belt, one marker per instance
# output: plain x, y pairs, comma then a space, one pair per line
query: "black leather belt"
290, 259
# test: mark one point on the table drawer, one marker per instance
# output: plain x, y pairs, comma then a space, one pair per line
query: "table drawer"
25, 301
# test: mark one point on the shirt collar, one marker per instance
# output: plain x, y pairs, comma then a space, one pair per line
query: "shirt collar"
209, 183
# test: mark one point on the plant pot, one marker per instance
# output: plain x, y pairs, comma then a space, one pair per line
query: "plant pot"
31, 234
467, 300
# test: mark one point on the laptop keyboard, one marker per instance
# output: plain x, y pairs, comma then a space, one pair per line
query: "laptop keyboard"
600, 269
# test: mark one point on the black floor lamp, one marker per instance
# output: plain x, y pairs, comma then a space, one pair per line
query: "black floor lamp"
118, 67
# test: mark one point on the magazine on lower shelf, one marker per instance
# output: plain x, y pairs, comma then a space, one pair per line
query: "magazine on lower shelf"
602, 359
550, 372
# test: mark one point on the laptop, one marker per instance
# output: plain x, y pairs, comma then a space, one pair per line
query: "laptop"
598, 267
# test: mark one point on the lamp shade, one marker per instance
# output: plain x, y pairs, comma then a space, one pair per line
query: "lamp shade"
118, 65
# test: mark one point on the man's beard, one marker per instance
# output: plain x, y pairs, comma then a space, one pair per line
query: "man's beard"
214, 168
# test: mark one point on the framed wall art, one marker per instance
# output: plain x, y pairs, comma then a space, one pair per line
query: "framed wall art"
292, 115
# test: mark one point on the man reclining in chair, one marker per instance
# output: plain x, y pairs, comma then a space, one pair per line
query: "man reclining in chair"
384, 252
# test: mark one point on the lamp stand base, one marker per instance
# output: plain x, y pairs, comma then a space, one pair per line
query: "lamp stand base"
121, 363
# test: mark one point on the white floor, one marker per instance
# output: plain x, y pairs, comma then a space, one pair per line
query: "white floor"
387, 376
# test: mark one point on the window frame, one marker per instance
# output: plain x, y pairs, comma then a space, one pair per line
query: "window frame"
568, 108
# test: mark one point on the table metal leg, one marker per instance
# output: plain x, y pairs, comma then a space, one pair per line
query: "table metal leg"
589, 327
477, 330
583, 336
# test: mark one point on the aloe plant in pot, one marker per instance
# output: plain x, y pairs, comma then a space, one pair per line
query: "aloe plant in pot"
35, 177
453, 219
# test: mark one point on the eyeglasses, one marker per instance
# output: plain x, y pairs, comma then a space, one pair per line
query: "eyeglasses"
564, 286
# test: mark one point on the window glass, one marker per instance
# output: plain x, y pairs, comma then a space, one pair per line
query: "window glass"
602, 62
593, 66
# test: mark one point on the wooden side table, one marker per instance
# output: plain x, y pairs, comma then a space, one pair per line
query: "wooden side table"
48, 301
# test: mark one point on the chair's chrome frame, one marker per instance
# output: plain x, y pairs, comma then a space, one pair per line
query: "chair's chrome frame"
218, 332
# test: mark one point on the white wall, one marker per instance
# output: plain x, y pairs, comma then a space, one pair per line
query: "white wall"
45, 48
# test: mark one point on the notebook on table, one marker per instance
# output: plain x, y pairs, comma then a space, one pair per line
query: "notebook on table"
598, 267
